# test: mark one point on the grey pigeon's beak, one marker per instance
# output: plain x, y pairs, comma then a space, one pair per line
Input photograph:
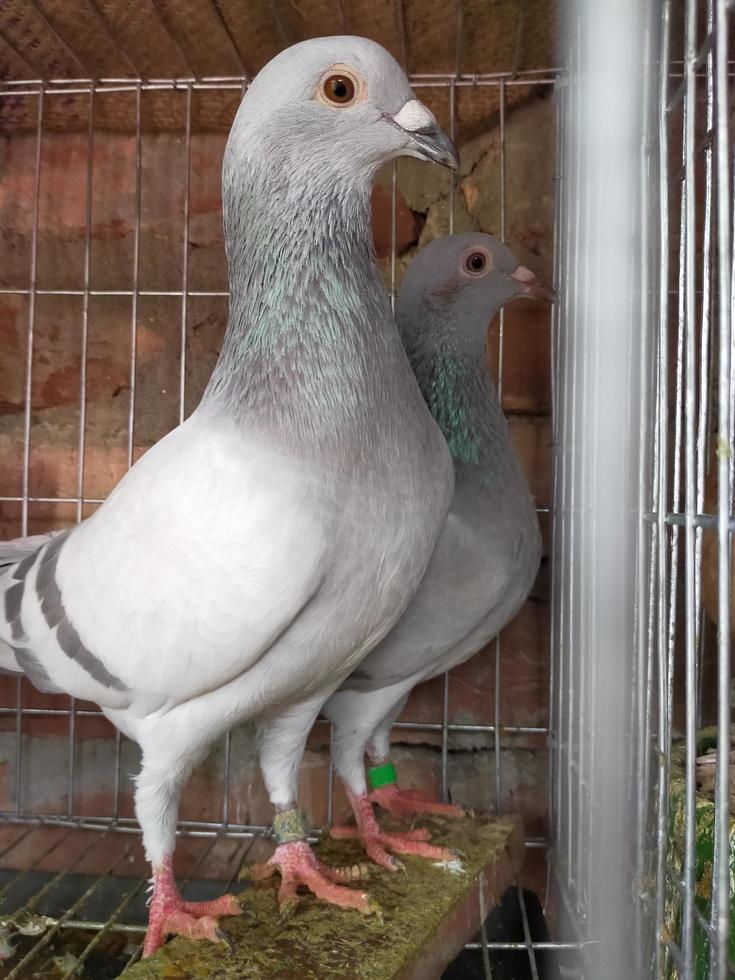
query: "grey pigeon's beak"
428, 138
533, 287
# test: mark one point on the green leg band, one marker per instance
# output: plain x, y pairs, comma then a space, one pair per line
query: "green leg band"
383, 775
289, 825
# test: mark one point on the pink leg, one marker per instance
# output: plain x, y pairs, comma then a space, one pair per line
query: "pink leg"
402, 803
378, 842
299, 865
169, 913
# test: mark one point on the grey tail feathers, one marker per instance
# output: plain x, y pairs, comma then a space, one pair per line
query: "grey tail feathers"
11, 552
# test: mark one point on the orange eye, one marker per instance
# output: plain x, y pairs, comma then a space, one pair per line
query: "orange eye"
339, 89
475, 263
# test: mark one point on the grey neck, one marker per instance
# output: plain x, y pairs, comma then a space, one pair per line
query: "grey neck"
456, 385
309, 317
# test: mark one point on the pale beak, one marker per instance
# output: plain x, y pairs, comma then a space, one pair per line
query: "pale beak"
427, 137
533, 287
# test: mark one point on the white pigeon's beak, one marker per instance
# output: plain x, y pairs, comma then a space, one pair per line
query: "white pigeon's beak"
428, 139
533, 287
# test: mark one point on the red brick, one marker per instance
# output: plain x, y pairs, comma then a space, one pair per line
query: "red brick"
526, 356
408, 225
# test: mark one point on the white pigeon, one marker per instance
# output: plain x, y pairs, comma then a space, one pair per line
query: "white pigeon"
488, 553
249, 561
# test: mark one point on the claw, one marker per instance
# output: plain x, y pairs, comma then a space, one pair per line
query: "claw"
169, 913
380, 845
299, 866
403, 803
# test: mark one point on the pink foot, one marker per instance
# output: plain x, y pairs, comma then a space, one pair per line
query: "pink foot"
299, 865
378, 843
403, 803
170, 914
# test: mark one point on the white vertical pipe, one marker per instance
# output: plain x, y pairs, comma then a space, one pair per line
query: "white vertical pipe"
604, 325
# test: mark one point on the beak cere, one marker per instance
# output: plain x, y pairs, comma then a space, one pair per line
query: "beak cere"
533, 287
429, 139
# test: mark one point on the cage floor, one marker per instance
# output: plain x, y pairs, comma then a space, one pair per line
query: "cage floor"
73, 901
59, 918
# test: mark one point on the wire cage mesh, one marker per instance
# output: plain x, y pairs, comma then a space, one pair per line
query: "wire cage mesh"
641, 391
146, 146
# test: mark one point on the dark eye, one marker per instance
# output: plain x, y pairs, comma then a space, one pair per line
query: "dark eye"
339, 89
475, 263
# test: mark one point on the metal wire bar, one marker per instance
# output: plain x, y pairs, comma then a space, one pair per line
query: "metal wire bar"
330, 778
176, 293
687, 236
501, 351
676, 881
418, 726
81, 86
667, 583
721, 872
33, 902
393, 232
483, 931
102, 928
445, 679
527, 934
705, 330
227, 769
31, 319
703, 54
135, 292
520, 947
185, 262
50, 933
645, 594
133, 365
14, 843
402, 36
554, 375
247, 846
28, 389
573, 433
36, 861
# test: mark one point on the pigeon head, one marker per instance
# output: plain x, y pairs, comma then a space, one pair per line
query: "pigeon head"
457, 284
450, 293
337, 107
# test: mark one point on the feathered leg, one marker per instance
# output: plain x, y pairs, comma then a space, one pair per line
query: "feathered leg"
400, 803
156, 803
281, 751
352, 731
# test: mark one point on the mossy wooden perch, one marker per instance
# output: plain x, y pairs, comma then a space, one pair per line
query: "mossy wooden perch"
426, 917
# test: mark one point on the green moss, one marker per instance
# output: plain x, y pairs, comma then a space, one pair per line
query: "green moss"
321, 942
703, 858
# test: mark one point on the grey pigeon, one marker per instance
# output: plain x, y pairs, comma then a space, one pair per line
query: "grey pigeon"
249, 560
488, 553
